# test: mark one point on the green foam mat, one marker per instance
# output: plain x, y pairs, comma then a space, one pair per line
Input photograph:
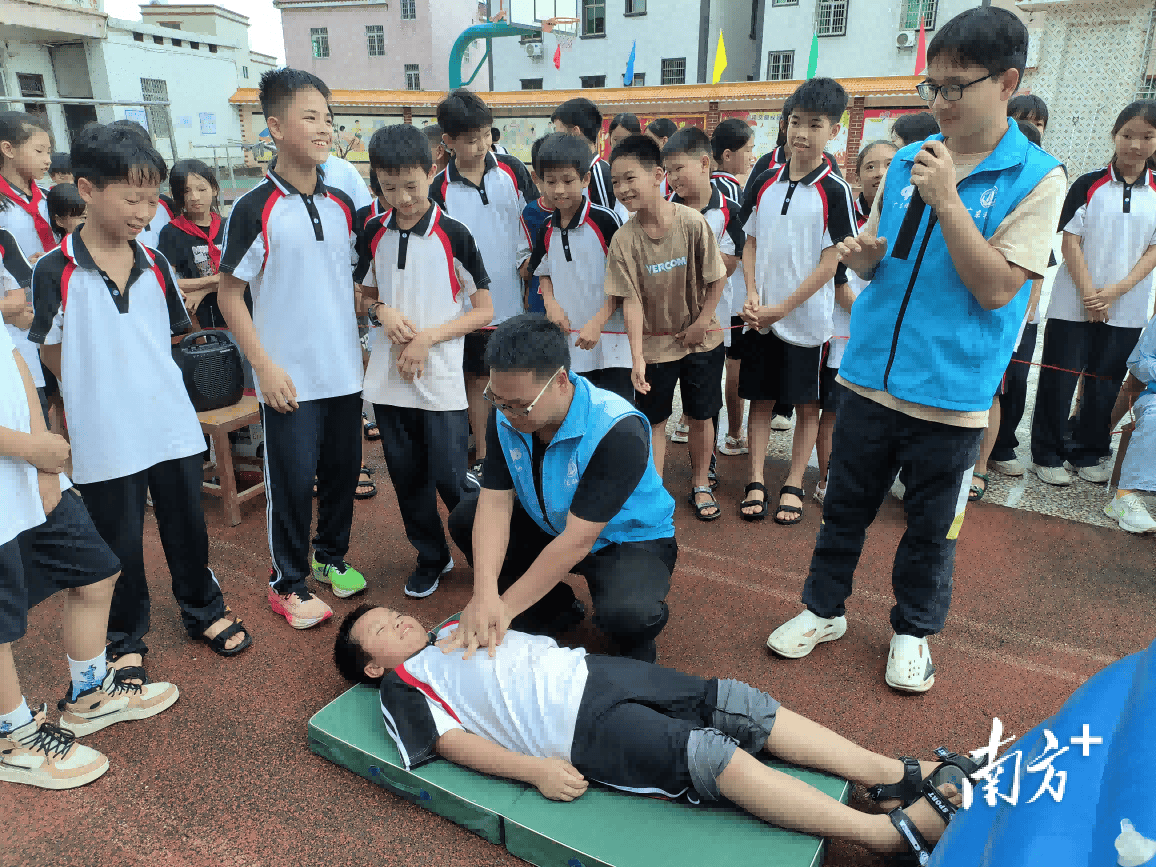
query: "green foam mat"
603, 828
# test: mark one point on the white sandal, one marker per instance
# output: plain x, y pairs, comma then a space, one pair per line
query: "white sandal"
681, 433
733, 446
909, 667
799, 635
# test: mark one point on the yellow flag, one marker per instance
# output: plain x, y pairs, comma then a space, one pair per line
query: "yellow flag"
720, 59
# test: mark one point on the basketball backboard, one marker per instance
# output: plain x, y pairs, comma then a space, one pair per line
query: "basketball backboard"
531, 13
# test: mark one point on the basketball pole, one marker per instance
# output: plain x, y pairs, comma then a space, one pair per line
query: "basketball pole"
489, 30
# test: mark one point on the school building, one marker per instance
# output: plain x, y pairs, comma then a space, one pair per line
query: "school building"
190, 56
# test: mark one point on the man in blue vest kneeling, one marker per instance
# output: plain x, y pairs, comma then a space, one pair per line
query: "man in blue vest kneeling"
568, 485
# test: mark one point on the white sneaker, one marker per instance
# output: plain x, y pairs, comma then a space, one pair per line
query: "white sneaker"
898, 489
1052, 475
1007, 468
909, 667
1130, 514
48, 757
799, 635
1097, 475
779, 422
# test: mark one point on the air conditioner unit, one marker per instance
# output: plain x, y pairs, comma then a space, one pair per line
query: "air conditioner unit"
906, 39
534, 49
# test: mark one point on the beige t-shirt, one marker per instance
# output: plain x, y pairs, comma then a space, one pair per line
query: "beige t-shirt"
670, 277
1024, 238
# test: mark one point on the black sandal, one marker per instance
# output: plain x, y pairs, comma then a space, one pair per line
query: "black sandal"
790, 510
699, 508
711, 475
745, 504
217, 643
908, 790
370, 428
920, 849
367, 484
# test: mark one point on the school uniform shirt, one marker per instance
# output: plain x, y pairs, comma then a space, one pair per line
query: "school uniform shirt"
124, 395
360, 218
1117, 222
191, 260
493, 213
768, 161
840, 316
293, 248
343, 175
722, 214
31, 236
793, 222
573, 256
601, 189
525, 698
534, 217
427, 273
150, 235
669, 277
16, 273
728, 185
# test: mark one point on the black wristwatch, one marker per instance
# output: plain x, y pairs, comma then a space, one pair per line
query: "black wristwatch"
373, 320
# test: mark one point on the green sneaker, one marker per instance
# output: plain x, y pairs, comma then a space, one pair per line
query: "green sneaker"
344, 581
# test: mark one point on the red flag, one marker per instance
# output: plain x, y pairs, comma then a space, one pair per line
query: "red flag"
558, 57
921, 49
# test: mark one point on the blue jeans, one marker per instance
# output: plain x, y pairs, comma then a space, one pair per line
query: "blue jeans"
871, 443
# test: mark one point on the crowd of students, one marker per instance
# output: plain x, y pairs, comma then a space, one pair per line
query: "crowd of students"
893, 324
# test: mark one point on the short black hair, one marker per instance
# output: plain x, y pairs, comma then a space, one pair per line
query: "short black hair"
863, 151
663, 127
688, 140
133, 126
823, 96
463, 110
495, 134
531, 342
433, 132
915, 126
1030, 130
106, 154
642, 147
562, 150
536, 151
179, 181
349, 656
1028, 106
279, 86
63, 201
731, 134
628, 121
61, 162
399, 146
374, 186
582, 113
986, 36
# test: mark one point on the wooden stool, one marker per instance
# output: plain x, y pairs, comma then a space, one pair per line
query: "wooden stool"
218, 424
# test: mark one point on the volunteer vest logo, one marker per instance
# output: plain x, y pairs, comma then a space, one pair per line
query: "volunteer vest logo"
987, 197
572, 473
908, 191
680, 262
515, 454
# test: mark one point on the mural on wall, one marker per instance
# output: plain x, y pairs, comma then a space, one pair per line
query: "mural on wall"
877, 123
351, 134
680, 120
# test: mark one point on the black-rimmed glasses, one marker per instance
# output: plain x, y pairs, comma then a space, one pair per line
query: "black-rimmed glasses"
514, 411
950, 92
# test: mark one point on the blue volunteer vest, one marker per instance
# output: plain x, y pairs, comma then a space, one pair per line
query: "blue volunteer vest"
916, 331
647, 514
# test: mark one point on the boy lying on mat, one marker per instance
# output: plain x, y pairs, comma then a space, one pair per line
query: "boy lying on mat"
554, 717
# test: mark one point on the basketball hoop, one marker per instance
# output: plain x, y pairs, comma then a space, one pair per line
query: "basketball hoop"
565, 31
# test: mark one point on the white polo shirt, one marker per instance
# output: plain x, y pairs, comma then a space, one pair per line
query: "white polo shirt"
573, 256
150, 235
728, 185
525, 699
426, 273
1117, 222
793, 222
722, 215
124, 396
493, 214
294, 251
343, 175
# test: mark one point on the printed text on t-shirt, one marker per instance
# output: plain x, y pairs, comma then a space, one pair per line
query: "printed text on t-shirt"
667, 266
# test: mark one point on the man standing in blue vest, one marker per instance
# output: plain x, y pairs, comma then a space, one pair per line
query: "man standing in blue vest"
963, 223
568, 485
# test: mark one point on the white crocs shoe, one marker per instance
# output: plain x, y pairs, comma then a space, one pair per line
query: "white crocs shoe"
909, 667
799, 635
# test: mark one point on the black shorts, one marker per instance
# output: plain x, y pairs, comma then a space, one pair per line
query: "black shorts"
51, 386
615, 379
783, 372
830, 390
738, 339
474, 356
63, 552
701, 376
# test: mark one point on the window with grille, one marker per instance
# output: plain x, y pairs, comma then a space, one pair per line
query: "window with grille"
780, 65
156, 90
639, 80
674, 70
912, 9
593, 17
531, 84
409, 10
412, 76
375, 38
33, 86
244, 72
319, 36
1148, 89
831, 19
635, 7
593, 80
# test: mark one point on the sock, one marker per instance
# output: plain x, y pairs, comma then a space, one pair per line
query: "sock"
87, 673
19, 717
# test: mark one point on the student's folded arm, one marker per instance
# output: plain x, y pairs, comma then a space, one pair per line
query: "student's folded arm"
481, 316
1072, 249
474, 751
1140, 270
822, 275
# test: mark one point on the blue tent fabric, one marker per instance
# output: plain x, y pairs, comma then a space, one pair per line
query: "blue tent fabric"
1101, 789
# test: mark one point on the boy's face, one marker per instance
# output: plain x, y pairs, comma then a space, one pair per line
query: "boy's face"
121, 209
306, 131
808, 133
983, 103
688, 174
62, 178
543, 193
470, 147
564, 187
740, 161
406, 191
637, 187
618, 134
389, 637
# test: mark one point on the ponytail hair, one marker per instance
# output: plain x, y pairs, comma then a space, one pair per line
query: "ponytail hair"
1145, 109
